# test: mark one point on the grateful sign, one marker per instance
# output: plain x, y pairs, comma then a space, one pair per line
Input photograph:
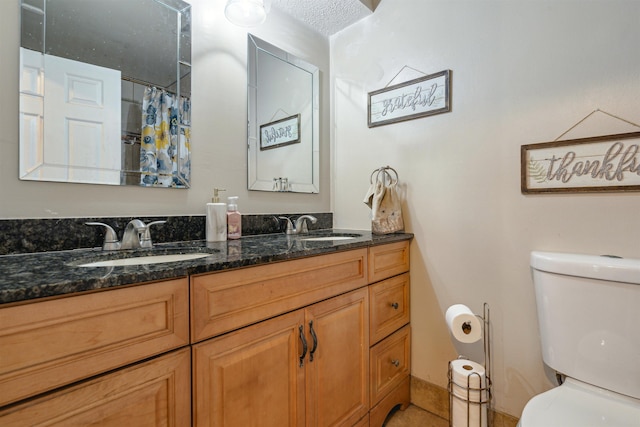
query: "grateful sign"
416, 98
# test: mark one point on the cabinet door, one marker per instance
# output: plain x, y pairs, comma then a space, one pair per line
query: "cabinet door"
251, 377
154, 393
337, 367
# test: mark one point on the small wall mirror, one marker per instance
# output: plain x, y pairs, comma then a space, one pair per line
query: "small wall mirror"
283, 113
105, 92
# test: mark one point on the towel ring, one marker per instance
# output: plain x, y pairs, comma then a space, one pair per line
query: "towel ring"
384, 170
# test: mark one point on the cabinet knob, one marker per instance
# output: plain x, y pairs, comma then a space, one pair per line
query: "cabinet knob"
395, 362
395, 305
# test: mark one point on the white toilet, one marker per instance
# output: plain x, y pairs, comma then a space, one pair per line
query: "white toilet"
589, 317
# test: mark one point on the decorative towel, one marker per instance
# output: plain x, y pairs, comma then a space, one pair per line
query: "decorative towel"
384, 201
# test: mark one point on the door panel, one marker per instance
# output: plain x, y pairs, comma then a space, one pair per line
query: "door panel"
251, 377
82, 109
337, 377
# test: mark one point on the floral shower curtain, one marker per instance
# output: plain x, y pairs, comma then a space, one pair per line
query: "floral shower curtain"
165, 153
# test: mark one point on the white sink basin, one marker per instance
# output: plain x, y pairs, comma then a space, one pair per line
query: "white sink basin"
141, 260
327, 238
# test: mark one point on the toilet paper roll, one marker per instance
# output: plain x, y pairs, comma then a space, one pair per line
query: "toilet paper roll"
469, 380
476, 412
463, 324
468, 406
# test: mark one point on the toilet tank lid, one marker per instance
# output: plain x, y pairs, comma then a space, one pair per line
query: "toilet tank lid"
626, 270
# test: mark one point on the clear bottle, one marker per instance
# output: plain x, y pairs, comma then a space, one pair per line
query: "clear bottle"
216, 218
234, 219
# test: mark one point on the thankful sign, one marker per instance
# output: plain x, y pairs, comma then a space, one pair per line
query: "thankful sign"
606, 163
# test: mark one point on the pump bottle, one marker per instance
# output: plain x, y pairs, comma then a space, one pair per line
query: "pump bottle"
216, 218
234, 219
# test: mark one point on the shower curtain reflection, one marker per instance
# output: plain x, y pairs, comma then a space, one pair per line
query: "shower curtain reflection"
165, 153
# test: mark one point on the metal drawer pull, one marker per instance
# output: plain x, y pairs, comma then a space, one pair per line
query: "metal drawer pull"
395, 362
315, 341
304, 346
395, 305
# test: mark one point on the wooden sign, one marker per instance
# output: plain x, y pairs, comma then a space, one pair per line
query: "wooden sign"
605, 163
416, 98
279, 133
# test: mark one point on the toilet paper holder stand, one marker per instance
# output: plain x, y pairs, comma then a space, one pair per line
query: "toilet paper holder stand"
483, 392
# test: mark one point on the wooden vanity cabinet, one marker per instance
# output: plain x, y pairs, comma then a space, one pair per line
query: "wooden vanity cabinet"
306, 364
263, 375
255, 359
317, 341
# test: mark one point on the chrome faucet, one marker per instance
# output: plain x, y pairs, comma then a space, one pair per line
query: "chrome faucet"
300, 226
136, 235
132, 237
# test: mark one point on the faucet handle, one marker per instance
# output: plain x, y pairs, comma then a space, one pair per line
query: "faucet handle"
290, 229
145, 239
155, 222
301, 223
111, 242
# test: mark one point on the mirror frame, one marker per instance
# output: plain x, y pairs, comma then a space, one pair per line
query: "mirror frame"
254, 181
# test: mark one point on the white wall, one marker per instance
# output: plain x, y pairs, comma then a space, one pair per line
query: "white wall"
523, 72
219, 128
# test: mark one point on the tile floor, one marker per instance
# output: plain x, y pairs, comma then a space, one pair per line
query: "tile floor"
415, 417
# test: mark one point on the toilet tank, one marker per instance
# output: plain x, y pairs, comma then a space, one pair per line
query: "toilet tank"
589, 318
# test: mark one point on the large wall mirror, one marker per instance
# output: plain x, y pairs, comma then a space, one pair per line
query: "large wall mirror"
283, 113
105, 92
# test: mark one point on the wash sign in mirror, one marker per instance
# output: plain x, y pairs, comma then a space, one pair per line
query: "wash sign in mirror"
105, 92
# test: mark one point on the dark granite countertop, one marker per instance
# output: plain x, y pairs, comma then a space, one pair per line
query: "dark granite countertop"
46, 274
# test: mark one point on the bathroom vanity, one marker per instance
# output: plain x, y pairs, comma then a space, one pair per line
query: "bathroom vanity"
268, 331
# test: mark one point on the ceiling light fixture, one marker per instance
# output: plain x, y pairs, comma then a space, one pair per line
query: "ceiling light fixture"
246, 13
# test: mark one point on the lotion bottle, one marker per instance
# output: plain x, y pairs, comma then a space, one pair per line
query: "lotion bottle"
216, 218
234, 219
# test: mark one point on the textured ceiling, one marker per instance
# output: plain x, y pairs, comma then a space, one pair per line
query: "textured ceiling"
326, 16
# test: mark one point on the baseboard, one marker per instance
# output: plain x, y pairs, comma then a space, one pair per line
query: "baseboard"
435, 399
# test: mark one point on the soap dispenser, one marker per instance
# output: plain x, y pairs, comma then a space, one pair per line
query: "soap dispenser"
216, 218
234, 220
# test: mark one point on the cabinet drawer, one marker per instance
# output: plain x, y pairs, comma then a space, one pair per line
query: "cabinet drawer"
48, 344
388, 260
154, 393
390, 363
225, 301
389, 302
